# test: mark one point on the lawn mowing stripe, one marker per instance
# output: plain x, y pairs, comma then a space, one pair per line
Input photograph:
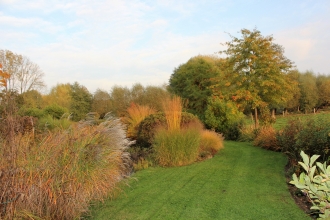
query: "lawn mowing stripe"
240, 182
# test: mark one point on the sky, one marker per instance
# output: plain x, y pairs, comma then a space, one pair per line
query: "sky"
103, 43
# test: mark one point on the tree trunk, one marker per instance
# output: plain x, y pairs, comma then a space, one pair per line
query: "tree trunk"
273, 113
252, 117
256, 121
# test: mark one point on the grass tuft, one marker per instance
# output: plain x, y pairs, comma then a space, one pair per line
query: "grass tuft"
211, 142
176, 147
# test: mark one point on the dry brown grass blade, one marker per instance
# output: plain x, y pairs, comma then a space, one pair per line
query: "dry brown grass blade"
60, 174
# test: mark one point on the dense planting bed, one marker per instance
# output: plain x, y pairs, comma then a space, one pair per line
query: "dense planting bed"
240, 182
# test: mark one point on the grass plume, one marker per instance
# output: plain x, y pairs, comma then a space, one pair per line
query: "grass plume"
59, 175
173, 110
136, 113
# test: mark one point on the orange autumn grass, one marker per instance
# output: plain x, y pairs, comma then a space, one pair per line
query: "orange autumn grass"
173, 111
136, 113
57, 176
211, 142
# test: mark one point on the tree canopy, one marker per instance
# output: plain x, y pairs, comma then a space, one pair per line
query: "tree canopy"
193, 81
24, 75
257, 70
81, 101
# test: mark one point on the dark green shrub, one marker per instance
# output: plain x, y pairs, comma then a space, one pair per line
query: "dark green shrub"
55, 111
310, 136
150, 124
50, 123
34, 112
224, 117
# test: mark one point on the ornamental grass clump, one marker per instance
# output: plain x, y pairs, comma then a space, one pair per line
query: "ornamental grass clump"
60, 174
136, 114
211, 142
173, 111
176, 147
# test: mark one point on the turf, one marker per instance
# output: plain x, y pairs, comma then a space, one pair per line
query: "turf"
281, 121
240, 182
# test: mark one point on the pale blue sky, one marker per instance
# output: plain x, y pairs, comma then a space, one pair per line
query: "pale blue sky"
122, 42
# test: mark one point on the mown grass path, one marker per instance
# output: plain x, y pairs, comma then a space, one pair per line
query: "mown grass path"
240, 182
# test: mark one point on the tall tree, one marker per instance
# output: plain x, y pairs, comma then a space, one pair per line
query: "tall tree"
60, 95
138, 94
81, 101
293, 103
192, 81
3, 78
308, 89
323, 87
32, 99
24, 74
101, 102
257, 70
120, 100
153, 95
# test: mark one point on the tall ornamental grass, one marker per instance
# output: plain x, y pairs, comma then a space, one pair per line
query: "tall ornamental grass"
176, 147
58, 176
173, 111
136, 114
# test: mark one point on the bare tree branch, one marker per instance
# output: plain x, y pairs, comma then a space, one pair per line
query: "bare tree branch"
24, 74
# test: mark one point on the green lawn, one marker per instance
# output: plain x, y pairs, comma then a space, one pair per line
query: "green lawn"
281, 121
240, 182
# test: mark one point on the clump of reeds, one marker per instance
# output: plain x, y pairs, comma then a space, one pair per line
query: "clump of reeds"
136, 114
58, 176
173, 110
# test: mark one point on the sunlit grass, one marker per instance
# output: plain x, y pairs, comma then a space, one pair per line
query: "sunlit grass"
240, 182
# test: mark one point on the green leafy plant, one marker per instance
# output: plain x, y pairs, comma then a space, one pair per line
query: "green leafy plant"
310, 135
224, 117
55, 111
315, 183
34, 112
